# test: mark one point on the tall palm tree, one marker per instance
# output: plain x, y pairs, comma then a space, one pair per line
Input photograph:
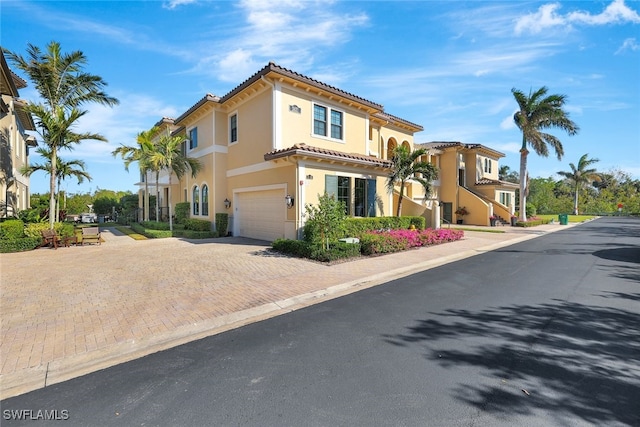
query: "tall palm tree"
140, 153
63, 170
538, 112
406, 165
580, 176
168, 156
64, 87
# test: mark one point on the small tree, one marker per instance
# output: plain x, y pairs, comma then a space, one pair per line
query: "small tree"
325, 221
407, 166
580, 176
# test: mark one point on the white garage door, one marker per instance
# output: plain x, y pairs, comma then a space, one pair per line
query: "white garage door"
261, 214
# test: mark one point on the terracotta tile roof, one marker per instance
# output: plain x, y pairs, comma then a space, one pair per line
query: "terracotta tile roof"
447, 144
323, 153
207, 98
392, 118
273, 67
487, 181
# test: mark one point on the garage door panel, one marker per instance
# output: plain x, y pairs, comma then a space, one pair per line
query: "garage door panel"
261, 214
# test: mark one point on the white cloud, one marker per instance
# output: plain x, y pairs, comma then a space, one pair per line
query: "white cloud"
547, 17
628, 44
175, 3
616, 12
507, 122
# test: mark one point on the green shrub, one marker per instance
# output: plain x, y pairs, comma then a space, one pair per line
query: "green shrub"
191, 234
337, 250
380, 244
182, 212
532, 223
197, 224
12, 229
19, 245
155, 225
355, 227
222, 223
325, 221
531, 210
299, 248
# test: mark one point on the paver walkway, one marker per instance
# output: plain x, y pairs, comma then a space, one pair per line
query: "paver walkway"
71, 311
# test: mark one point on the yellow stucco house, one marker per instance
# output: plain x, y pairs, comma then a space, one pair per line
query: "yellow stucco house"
14, 142
279, 140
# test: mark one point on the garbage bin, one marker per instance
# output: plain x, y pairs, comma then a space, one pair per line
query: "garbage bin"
564, 219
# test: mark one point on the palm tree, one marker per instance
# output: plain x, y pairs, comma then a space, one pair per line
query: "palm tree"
407, 166
506, 174
580, 176
64, 87
141, 154
168, 156
538, 112
63, 170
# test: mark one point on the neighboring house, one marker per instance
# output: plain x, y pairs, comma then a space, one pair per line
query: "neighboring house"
274, 144
14, 143
469, 178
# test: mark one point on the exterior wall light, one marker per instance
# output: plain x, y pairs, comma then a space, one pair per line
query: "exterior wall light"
290, 201
227, 203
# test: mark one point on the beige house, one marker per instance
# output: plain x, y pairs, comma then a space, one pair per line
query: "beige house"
279, 140
14, 143
469, 178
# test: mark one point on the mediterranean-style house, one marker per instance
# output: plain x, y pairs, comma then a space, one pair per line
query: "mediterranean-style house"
14, 143
280, 139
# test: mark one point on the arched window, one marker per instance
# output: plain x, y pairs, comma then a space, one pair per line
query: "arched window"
196, 200
205, 200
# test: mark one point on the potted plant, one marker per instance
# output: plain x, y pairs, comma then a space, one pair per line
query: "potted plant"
493, 220
514, 220
461, 212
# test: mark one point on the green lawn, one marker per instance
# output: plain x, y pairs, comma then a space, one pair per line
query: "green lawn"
572, 218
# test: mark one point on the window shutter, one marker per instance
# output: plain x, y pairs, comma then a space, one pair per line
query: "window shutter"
331, 185
371, 197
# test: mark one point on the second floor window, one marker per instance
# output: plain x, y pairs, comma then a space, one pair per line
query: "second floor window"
487, 165
193, 138
233, 128
327, 122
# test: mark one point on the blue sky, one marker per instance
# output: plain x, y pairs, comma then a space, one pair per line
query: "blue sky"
448, 65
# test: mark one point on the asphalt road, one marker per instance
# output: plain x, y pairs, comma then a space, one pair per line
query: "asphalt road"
546, 332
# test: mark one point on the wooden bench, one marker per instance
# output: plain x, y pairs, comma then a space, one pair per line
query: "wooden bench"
50, 238
90, 235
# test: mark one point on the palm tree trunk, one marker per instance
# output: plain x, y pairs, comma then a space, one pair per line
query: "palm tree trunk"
52, 187
145, 201
169, 205
401, 195
523, 183
157, 196
575, 201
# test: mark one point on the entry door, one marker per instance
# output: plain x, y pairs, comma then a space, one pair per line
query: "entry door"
447, 211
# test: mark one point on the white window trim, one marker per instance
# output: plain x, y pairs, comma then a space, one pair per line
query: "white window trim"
329, 109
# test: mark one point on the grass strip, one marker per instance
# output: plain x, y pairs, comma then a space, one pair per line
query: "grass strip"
129, 232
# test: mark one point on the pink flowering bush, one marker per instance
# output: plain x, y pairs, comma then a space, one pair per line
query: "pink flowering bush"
381, 242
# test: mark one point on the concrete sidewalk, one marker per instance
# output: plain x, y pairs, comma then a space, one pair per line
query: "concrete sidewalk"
76, 310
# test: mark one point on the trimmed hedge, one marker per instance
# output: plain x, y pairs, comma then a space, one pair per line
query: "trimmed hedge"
20, 244
222, 223
355, 227
197, 224
160, 234
303, 249
155, 225
532, 223
191, 234
182, 212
